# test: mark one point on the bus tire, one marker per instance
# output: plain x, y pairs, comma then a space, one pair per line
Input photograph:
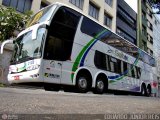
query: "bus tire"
82, 83
143, 90
100, 86
148, 91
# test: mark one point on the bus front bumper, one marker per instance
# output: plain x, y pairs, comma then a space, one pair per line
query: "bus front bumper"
25, 77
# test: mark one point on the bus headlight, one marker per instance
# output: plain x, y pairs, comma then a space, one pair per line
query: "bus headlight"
33, 67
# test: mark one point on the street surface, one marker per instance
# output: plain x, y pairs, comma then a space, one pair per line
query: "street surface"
39, 101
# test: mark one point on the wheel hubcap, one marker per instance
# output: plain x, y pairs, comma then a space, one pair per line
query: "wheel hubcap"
100, 85
148, 91
143, 91
82, 83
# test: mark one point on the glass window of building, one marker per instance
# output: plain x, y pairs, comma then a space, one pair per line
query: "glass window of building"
109, 2
43, 4
93, 11
78, 3
19, 5
108, 20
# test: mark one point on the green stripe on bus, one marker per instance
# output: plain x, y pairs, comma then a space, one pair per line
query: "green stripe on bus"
80, 55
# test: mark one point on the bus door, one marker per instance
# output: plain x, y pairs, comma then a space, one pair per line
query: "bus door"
52, 71
52, 60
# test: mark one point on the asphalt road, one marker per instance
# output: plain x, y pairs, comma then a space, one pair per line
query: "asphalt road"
39, 101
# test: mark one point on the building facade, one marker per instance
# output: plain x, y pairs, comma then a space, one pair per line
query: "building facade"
142, 25
126, 25
145, 41
103, 11
150, 22
156, 46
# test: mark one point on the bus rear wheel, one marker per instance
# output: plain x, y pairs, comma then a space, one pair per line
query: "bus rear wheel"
100, 86
82, 84
143, 90
148, 91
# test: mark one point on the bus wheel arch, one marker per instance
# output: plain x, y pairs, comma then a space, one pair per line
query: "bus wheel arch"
83, 81
101, 84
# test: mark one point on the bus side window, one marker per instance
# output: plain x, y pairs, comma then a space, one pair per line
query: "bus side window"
107, 63
100, 60
135, 71
125, 70
90, 27
132, 71
138, 72
119, 64
129, 70
115, 65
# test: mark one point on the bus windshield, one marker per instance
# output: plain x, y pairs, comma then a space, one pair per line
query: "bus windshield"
42, 16
26, 48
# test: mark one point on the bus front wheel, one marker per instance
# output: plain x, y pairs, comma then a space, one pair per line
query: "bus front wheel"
82, 84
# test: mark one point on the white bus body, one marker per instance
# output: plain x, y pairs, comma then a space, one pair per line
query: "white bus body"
71, 52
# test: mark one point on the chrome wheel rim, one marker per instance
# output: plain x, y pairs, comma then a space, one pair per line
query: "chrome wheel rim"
82, 83
100, 85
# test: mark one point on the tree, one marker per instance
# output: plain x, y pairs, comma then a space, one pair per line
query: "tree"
11, 21
155, 4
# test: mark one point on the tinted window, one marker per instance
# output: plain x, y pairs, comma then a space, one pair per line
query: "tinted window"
6, 2
78, 3
125, 67
100, 60
61, 35
19, 5
13, 3
138, 72
90, 27
133, 72
115, 65
93, 10
129, 70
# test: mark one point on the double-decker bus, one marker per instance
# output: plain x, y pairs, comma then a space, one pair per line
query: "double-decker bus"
62, 46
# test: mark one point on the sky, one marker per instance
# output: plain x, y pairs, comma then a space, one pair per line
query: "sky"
133, 4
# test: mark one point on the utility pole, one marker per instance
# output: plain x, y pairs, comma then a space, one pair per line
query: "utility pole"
139, 24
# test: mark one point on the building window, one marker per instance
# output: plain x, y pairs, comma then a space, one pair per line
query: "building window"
125, 35
107, 20
150, 51
143, 45
19, 5
144, 30
109, 2
78, 3
43, 4
151, 40
143, 15
93, 11
151, 27
149, 12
